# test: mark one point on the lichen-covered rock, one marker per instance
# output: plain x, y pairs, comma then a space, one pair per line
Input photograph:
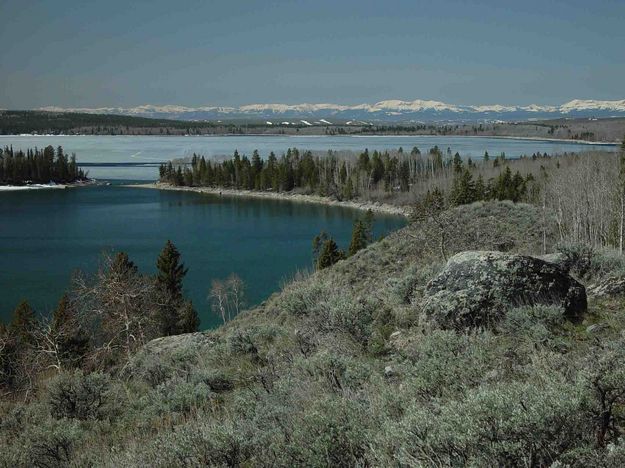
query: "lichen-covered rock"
558, 258
607, 287
476, 288
169, 345
161, 358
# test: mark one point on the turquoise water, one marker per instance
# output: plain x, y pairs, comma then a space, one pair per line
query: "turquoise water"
150, 149
45, 235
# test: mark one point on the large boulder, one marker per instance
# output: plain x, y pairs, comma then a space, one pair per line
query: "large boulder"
476, 288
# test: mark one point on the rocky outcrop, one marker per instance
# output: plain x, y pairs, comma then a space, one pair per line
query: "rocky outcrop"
476, 288
608, 287
160, 359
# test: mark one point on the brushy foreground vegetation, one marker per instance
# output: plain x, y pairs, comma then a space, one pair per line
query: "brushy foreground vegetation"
341, 369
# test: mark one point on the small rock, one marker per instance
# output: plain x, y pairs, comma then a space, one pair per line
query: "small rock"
596, 327
610, 286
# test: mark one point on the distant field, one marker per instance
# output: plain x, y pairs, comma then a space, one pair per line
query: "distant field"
21, 122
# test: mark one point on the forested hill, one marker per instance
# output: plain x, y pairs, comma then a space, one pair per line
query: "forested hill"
14, 122
19, 122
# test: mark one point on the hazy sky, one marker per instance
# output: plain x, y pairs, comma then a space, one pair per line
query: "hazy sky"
233, 52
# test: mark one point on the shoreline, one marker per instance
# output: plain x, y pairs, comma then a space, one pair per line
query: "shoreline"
376, 207
355, 135
22, 188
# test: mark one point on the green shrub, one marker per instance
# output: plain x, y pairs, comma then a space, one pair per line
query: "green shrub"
534, 325
216, 379
204, 444
335, 373
152, 368
75, 395
508, 424
588, 263
577, 258
49, 445
607, 262
603, 379
445, 363
299, 297
333, 432
180, 396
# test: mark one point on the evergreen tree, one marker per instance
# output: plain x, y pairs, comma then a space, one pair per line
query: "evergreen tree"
122, 266
480, 188
329, 254
23, 323
72, 341
317, 244
348, 189
404, 176
457, 163
188, 319
519, 188
343, 173
359, 238
38, 166
367, 222
377, 168
463, 190
171, 271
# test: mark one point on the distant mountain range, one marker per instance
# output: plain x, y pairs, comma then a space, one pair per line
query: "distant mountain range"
383, 111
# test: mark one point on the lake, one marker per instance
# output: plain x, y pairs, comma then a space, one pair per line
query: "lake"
149, 150
45, 235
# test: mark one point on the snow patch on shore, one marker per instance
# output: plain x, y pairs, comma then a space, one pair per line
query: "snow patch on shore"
13, 188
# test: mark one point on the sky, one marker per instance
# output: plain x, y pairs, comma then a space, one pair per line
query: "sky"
194, 53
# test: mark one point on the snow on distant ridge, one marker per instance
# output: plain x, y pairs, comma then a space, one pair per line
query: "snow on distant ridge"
393, 109
588, 104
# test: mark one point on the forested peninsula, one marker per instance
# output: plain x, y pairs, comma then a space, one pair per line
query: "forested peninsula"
398, 177
39, 166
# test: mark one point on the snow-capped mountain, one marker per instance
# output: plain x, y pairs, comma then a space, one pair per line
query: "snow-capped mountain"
391, 110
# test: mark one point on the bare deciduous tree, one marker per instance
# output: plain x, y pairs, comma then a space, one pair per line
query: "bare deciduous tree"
227, 297
120, 306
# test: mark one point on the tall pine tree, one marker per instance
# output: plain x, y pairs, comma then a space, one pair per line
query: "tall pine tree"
359, 238
179, 316
171, 271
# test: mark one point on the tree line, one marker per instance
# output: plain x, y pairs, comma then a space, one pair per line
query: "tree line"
345, 177
38, 166
99, 323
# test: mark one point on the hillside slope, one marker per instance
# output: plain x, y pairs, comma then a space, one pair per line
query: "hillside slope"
341, 368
